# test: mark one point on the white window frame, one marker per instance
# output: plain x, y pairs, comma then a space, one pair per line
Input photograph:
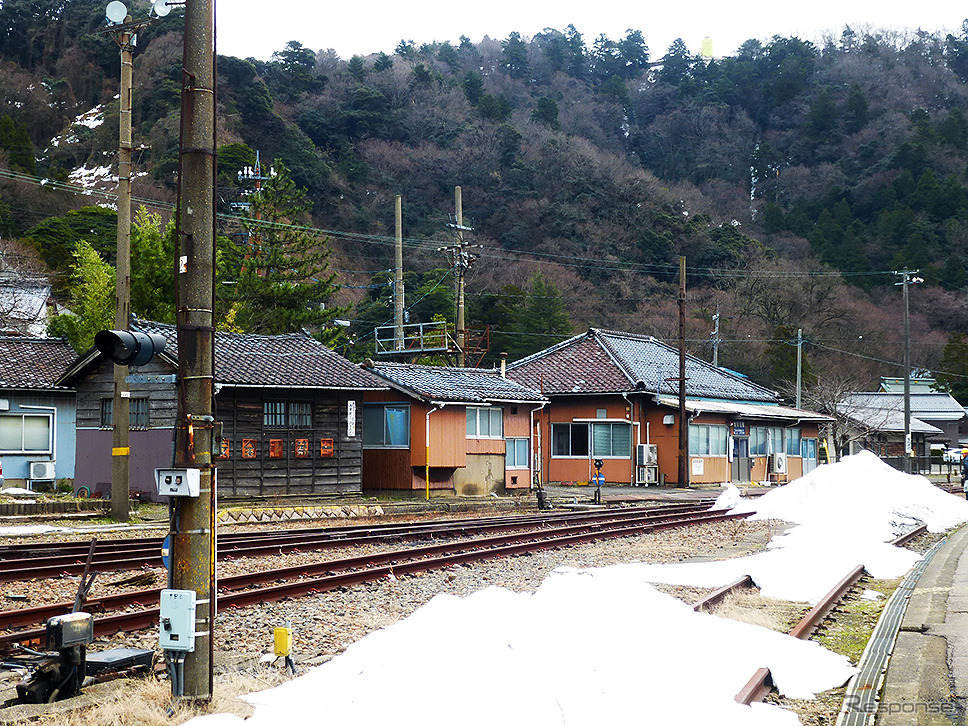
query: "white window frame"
704, 433
493, 413
511, 442
49, 449
611, 440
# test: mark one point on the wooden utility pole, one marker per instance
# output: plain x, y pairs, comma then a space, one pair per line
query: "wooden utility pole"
683, 422
398, 276
193, 533
120, 413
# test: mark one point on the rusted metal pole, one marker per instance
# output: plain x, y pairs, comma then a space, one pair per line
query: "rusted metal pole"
193, 536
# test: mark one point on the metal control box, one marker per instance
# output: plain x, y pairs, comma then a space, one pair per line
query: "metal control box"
177, 626
178, 482
66, 631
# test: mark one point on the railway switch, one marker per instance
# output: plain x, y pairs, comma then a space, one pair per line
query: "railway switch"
178, 482
177, 626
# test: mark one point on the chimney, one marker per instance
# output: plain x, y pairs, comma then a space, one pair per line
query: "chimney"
504, 365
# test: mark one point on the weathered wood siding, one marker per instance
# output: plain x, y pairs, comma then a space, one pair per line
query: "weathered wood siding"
240, 411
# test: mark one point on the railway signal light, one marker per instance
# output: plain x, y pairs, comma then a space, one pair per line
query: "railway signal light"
129, 348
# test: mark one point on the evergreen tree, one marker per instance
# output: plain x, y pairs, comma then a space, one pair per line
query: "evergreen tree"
382, 63
546, 113
92, 302
357, 68
152, 278
514, 56
953, 376
279, 280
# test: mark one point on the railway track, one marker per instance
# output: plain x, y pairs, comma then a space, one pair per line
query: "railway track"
761, 683
300, 580
43, 560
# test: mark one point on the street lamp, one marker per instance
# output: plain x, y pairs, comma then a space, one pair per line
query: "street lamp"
124, 30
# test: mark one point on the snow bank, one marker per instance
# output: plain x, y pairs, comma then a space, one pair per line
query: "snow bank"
548, 658
846, 514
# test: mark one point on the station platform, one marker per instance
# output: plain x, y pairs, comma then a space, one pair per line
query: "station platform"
926, 683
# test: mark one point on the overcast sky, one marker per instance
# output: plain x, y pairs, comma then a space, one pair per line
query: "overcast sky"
258, 28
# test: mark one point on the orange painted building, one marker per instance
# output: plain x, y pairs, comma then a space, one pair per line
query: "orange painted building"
613, 398
442, 430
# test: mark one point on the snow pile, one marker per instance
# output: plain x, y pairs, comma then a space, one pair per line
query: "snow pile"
502, 657
602, 646
730, 497
846, 513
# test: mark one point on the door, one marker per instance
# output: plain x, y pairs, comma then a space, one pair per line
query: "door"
808, 450
742, 464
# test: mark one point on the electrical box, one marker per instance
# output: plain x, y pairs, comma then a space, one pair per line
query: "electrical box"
66, 631
177, 627
178, 482
282, 641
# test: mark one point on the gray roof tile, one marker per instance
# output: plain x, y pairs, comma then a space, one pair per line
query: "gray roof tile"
605, 361
292, 360
459, 385
33, 362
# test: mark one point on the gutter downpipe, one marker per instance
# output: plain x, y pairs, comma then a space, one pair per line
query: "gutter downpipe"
638, 436
436, 407
533, 451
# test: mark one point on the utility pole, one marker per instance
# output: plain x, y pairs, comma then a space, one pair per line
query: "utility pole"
461, 259
683, 423
398, 276
123, 29
193, 521
715, 336
799, 364
906, 280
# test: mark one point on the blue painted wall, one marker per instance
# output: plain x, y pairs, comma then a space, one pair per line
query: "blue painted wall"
16, 468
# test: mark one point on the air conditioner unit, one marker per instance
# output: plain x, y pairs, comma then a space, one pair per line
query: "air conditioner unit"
778, 463
646, 475
646, 454
42, 470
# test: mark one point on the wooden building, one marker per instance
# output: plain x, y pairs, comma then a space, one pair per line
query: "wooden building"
464, 431
614, 397
289, 407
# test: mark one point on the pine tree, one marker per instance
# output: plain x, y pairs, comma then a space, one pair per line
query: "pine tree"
278, 280
953, 376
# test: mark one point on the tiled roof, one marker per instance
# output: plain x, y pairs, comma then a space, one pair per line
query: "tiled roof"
604, 361
291, 360
876, 417
928, 406
746, 410
460, 385
33, 362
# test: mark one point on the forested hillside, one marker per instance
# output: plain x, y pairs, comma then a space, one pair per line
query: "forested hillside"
794, 177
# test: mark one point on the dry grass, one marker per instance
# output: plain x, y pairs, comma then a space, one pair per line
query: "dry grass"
147, 702
748, 606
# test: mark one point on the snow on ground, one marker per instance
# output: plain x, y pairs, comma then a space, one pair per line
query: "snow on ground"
88, 178
579, 650
602, 646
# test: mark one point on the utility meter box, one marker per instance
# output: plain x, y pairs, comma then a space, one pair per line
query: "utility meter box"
177, 627
178, 482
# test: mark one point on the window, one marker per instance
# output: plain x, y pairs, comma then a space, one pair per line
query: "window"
485, 423
25, 433
517, 453
569, 439
765, 440
138, 413
793, 442
612, 439
287, 414
138, 409
386, 425
707, 440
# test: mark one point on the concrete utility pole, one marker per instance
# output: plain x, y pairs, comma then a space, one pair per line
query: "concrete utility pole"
398, 276
906, 280
461, 259
799, 364
715, 336
193, 534
683, 422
